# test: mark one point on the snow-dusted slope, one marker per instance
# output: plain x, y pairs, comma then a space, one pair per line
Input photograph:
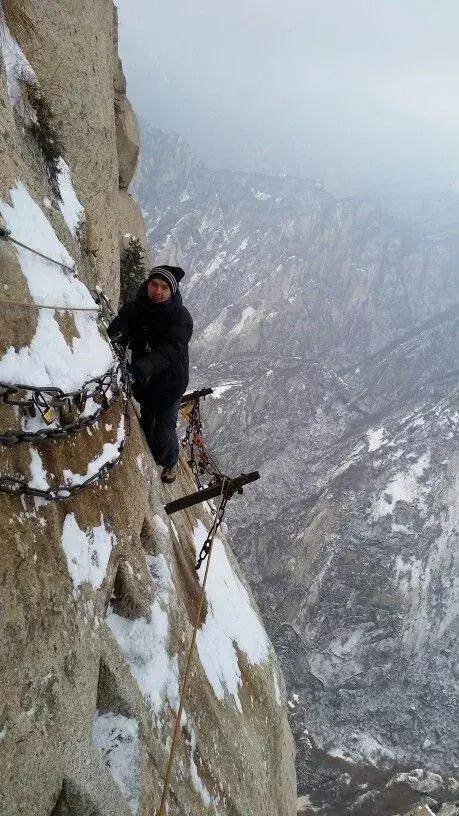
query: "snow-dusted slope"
330, 332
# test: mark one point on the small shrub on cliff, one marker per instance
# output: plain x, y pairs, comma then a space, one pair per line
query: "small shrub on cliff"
45, 135
132, 269
17, 20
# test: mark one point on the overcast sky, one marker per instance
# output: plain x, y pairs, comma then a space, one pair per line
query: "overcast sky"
363, 94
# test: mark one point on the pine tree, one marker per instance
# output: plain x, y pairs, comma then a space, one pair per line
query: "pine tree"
132, 269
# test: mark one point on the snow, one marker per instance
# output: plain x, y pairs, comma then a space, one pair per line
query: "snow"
221, 389
408, 574
419, 779
37, 471
18, 71
231, 623
305, 802
261, 196
145, 642
248, 315
375, 439
49, 360
185, 196
87, 552
110, 453
198, 784
117, 739
363, 747
276, 689
71, 209
39, 478
403, 487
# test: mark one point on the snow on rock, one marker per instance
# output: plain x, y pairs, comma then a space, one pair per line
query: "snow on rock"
198, 784
39, 478
403, 487
221, 389
419, 779
375, 439
37, 471
249, 315
71, 209
117, 739
110, 453
87, 552
231, 622
18, 71
49, 360
363, 748
276, 689
145, 643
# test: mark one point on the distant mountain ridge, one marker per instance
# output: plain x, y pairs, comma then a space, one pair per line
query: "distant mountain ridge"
331, 329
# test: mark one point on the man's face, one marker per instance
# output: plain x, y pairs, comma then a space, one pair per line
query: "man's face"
158, 290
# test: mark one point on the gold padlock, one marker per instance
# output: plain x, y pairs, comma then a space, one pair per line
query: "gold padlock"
49, 415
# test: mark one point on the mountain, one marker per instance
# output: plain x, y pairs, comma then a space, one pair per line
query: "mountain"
99, 596
329, 330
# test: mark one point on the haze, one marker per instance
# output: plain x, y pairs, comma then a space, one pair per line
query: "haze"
362, 94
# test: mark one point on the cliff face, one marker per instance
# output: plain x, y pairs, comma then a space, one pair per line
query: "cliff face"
98, 591
329, 330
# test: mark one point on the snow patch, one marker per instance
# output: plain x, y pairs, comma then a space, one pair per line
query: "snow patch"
198, 784
221, 389
375, 439
403, 487
145, 643
110, 453
231, 622
117, 739
18, 71
49, 360
87, 553
71, 209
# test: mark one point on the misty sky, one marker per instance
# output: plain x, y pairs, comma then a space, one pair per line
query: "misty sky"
362, 94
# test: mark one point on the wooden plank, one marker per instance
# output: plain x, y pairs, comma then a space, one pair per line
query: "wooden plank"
192, 395
233, 486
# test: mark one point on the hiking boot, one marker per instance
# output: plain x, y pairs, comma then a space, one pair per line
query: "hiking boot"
169, 474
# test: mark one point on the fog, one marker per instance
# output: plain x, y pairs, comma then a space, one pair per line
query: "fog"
361, 94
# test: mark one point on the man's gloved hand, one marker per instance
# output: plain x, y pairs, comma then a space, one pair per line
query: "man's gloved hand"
131, 374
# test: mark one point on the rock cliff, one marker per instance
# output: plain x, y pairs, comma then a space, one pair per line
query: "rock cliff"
329, 329
98, 589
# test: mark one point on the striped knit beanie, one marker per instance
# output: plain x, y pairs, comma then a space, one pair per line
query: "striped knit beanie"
171, 274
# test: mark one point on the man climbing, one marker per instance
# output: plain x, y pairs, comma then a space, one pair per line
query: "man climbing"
157, 327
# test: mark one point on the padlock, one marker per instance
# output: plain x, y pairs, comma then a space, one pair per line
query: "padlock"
49, 415
67, 412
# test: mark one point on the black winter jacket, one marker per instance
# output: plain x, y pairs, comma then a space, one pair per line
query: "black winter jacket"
158, 335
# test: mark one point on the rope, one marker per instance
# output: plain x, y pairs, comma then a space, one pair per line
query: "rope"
17, 303
6, 236
162, 807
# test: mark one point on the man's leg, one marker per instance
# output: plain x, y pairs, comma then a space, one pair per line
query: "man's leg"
163, 436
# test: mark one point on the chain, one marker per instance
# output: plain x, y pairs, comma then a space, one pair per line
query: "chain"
200, 460
219, 516
47, 400
19, 487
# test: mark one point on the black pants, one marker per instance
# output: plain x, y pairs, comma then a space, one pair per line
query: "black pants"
159, 425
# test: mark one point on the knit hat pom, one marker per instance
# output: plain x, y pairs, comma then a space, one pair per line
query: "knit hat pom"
172, 275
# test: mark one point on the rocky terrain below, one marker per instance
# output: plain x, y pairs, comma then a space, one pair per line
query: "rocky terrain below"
329, 330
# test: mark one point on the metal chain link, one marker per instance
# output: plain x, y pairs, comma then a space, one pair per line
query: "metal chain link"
220, 514
201, 462
19, 487
47, 399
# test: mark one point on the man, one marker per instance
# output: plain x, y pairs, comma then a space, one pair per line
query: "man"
157, 327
